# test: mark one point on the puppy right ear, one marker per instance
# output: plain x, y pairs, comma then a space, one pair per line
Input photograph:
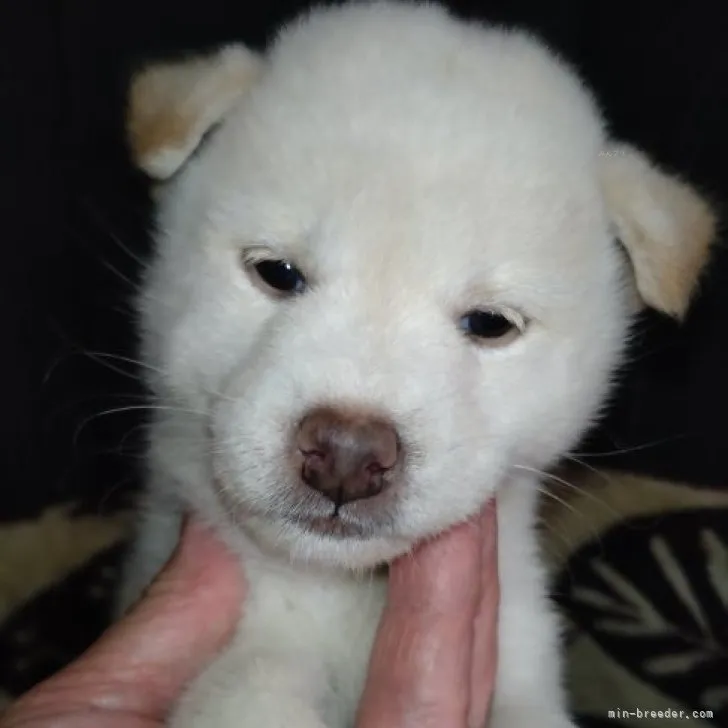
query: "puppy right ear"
172, 105
666, 227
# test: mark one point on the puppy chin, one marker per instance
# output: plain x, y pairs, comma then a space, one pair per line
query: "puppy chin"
300, 544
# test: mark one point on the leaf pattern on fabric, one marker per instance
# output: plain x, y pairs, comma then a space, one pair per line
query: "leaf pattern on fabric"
653, 592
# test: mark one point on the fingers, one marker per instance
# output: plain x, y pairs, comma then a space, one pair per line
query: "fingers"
421, 671
485, 629
139, 666
432, 664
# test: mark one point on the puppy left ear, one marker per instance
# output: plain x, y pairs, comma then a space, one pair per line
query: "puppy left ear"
665, 226
172, 105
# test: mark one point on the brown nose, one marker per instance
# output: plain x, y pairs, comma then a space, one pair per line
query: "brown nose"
346, 456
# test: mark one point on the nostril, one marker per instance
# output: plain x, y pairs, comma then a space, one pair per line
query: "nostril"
377, 468
313, 464
375, 478
313, 454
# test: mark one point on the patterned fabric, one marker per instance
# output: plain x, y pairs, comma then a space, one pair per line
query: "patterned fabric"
641, 574
640, 571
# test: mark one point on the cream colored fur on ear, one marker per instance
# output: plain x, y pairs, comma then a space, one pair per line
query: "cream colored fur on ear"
664, 224
172, 105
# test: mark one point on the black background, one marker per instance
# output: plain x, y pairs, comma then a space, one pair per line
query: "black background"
74, 216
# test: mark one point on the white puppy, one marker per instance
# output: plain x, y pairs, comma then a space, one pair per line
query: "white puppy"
387, 286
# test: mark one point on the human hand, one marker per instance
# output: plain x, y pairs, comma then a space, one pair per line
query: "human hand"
133, 674
432, 664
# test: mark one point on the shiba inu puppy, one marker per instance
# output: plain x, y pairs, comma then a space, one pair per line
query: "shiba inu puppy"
396, 260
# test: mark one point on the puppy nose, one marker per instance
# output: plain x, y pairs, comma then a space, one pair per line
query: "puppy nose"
346, 456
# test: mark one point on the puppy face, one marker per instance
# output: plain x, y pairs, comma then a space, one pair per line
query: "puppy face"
388, 281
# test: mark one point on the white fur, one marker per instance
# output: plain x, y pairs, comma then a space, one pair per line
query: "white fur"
415, 167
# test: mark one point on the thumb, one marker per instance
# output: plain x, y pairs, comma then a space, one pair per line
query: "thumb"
141, 664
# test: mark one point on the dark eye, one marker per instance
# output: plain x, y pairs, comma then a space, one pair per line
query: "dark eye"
488, 325
280, 275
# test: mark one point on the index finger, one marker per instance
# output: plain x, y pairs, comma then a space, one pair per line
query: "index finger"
422, 660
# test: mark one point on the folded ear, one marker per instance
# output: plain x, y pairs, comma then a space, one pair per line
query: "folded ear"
665, 226
172, 105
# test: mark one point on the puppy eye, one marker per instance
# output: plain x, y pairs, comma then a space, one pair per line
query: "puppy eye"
490, 326
280, 275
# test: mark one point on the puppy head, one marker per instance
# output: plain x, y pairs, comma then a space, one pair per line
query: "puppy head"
389, 280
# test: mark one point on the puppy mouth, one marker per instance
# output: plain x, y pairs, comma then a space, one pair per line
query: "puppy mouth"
339, 523
334, 526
